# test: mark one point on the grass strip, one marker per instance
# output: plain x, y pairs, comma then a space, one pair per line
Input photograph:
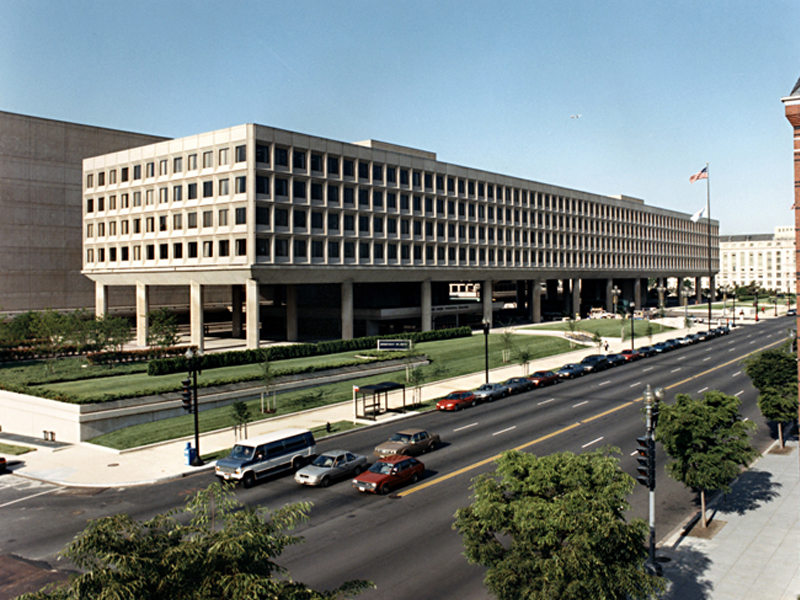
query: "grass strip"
13, 450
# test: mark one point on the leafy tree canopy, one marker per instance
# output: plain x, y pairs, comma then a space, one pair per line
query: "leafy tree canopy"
553, 527
771, 369
227, 550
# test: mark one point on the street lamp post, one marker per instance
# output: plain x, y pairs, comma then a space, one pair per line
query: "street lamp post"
733, 296
756, 305
652, 400
661, 289
775, 299
197, 461
615, 292
685, 293
486, 327
633, 307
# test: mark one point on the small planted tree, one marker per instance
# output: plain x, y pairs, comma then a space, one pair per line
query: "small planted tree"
240, 414
113, 333
507, 340
555, 527
268, 377
774, 375
708, 442
524, 356
163, 329
416, 377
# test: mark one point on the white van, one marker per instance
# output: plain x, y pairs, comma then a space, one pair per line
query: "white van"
258, 456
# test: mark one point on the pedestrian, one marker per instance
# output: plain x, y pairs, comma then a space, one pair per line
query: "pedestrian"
605, 346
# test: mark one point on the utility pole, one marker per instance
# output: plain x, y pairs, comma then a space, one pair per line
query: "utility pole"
190, 404
646, 469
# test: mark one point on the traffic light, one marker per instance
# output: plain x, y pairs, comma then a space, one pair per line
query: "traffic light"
187, 396
646, 459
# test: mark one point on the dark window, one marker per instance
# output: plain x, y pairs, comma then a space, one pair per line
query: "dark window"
333, 250
299, 160
363, 251
281, 187
262, 185
240, 247
317, 248
89, 205
349, 168
281, 247
316, 163
316, 191
241, 185
333, 166
262, 215
333, 194
403, 176
377, 173
428, 181
300, 219
316, 220
404, 252
300, 249
262, 246
281, 217
349, 195
363, 197
299, 189
377, 199
403, 201
333, 221
391, 226
451, 185
363, 224
150, 252
137, 172
440, 183
391, 177
192, 249
349, 223
208, 189
123, 174
262, 154
392, 252
240, 154
224, 248
377, 225
349, 250
391, 200
378, 251
363, 170
281, 159
191, 191
417, 203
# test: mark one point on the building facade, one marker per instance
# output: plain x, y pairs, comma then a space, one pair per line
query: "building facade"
766, 259
40, 200
347, 238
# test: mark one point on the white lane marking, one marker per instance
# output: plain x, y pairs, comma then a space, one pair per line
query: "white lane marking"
739, 393
703, 390
504, 430
647, 369
27, 497
592, 442
737, 373
580, 404
465, 427
732, 349
682, 358
604, 383
753, 342
706, 358
545, 401
675, 370
635, 384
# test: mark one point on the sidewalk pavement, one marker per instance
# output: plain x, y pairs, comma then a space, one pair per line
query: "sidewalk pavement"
750, 550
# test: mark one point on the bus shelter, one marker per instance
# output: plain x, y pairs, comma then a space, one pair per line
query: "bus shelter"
372, 400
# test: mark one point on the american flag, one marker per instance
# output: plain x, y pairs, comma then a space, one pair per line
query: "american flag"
701, 175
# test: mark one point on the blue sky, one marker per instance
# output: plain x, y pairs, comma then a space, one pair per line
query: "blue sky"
662, 87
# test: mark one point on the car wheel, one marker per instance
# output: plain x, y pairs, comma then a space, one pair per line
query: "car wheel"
326, 481
357, 470
248, 480
474, 402
414, 478
457, 407
384, 489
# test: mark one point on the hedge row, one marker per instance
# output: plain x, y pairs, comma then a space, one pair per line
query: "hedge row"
39, 352
121, 356
167, 366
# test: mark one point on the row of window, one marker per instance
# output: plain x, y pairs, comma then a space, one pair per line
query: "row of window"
166, 251
204, 189
162, 222
134, 172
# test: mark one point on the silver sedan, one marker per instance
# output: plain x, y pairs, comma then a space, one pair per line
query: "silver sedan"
331, 466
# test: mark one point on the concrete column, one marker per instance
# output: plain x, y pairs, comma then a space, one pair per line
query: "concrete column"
142, 308
536, 301
698, 289
291, 313
427, 313
637, 293
566, 296
347, 310
253, 314
712, 287
609, 295
236, 311
196, 315
486, 298
100, 299
520, 288
576, 297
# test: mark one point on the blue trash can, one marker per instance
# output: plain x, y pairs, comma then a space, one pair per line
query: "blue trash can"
189, 453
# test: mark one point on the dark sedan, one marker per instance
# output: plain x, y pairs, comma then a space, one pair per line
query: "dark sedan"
646, 351
594, 363
571, 371
615, 360
517, 385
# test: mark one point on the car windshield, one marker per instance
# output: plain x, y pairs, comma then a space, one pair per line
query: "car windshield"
455, 396
324, 460
485, 387
400, 437
382, 468
241, 452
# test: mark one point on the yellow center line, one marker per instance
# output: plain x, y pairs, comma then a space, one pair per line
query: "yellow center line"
480, 463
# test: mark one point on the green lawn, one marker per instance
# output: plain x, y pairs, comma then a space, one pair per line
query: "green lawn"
449, 358
608, 327
12, 450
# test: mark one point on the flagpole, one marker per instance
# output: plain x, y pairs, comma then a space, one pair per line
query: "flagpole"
708, 233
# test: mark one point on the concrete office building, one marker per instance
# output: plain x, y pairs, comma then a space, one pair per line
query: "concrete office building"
321, 238
40, 202
767, 259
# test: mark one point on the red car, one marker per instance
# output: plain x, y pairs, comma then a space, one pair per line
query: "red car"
630, 355
543, 378
457, 400
388, 473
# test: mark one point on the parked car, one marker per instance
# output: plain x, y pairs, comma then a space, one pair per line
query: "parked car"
331, 466
3, 464
457, 400
490, 392
543, 378
630, 355
571, 371
792, 312
411, 442
594, 363
723, 330
661, 347
517, 385
673, 343
615, 360
687, 340
646, 351
389, 473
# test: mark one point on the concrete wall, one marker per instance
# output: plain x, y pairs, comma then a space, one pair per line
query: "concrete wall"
41, 188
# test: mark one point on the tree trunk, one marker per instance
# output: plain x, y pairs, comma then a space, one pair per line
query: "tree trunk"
780, 434
703, 508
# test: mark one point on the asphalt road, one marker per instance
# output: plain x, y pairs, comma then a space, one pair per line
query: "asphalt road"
405, 542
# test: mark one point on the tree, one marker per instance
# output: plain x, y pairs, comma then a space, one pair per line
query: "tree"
268, 377
554, 527
113, 332
774, 374
240, 413
507, 340
415, 378
227, 550
524, 356
163, 330
708, 441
